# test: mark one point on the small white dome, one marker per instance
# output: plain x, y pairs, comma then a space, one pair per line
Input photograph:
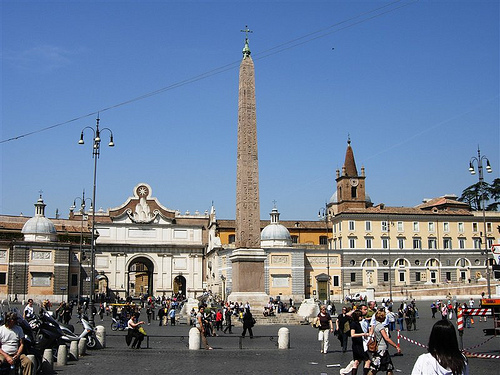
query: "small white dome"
275, 234
39, 228
334, 198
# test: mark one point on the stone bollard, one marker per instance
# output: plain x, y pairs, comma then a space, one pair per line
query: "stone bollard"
33, 360
283, 338
73, 350
62, 355
82, 346
100, 335
194, 339
48, 361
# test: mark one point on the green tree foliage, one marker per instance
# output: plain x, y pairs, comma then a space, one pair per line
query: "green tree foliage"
472, 195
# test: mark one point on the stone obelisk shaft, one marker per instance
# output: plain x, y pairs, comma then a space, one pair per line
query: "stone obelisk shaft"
247, 168
248, 258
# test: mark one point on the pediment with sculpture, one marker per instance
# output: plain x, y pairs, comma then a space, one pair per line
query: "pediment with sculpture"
142, 208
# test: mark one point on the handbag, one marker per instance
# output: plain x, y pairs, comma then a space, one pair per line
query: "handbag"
316, 322
253, 322
372, 344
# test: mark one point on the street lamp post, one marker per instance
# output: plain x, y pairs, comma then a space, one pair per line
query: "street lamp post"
479, 161
389, 223
82, 200
95, 154
323, 214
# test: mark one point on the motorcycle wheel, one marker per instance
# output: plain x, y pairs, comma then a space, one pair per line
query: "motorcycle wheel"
91, 342
121, 327
114, 326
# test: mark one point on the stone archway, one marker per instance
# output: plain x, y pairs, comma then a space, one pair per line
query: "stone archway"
140, 277
179, 285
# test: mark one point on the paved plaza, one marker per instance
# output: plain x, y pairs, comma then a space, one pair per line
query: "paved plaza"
260, 355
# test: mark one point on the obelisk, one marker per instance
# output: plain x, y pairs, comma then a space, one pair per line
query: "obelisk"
248, 258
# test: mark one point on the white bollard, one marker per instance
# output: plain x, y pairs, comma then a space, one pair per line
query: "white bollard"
48, 362
32, 358
100, 335
62, 355
283, 338
73, 350
194, 339
82, 346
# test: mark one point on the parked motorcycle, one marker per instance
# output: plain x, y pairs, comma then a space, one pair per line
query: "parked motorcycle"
88, 332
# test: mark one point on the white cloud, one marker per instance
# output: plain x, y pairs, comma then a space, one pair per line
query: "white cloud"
41, 58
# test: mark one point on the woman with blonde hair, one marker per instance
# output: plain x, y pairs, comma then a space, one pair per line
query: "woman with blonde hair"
380, 358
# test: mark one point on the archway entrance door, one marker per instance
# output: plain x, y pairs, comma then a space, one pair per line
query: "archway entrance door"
140, 277
179, 285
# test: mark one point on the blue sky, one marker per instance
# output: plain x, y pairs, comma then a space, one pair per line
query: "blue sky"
415, 84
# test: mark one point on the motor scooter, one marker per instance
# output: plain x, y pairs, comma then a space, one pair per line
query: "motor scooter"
88, 332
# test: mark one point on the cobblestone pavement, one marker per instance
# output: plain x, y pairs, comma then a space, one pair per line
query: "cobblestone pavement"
259, 355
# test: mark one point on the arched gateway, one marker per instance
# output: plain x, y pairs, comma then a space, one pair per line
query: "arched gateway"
140, 277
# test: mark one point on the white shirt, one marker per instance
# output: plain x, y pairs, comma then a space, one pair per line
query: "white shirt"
427, 365
10, 338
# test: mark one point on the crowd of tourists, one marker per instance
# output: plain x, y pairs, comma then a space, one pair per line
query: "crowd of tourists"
369, 326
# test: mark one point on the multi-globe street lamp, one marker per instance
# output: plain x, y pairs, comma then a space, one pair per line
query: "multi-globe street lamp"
96, 148
479, 162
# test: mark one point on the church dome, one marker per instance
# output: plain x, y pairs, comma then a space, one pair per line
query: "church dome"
275, 234
39, 228
334, 198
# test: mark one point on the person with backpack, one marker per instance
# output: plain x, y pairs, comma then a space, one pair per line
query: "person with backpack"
380, 360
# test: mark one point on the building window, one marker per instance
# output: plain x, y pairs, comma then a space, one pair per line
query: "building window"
3, 278
386, 277
401, 227
461, 243
352, 262
352, 243
334, 228
368, 226
40, 279
490, 243
74, 279
448, 276
417, 243
460, 227
340, 226
384, 226
446, 227
351, 225
401, 262
231, 238
416, 226
323, 240
432, 243
431, 227
353, 277
368, 243
488, 227
402, 276
401, 243
354, 192
474, 227
385, 243
295, 239
477, 243
417, 276
447, 243
369, 263
336, 281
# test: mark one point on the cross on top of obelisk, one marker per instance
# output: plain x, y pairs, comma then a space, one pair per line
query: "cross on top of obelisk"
246, 31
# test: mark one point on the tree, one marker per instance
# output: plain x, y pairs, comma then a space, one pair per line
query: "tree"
472, 195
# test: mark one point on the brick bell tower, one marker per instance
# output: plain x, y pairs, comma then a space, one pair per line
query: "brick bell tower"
351, 192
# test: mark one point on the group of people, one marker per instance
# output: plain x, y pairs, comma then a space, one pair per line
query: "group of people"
369, 329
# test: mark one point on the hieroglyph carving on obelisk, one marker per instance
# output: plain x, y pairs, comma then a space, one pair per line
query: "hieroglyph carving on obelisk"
247, 167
